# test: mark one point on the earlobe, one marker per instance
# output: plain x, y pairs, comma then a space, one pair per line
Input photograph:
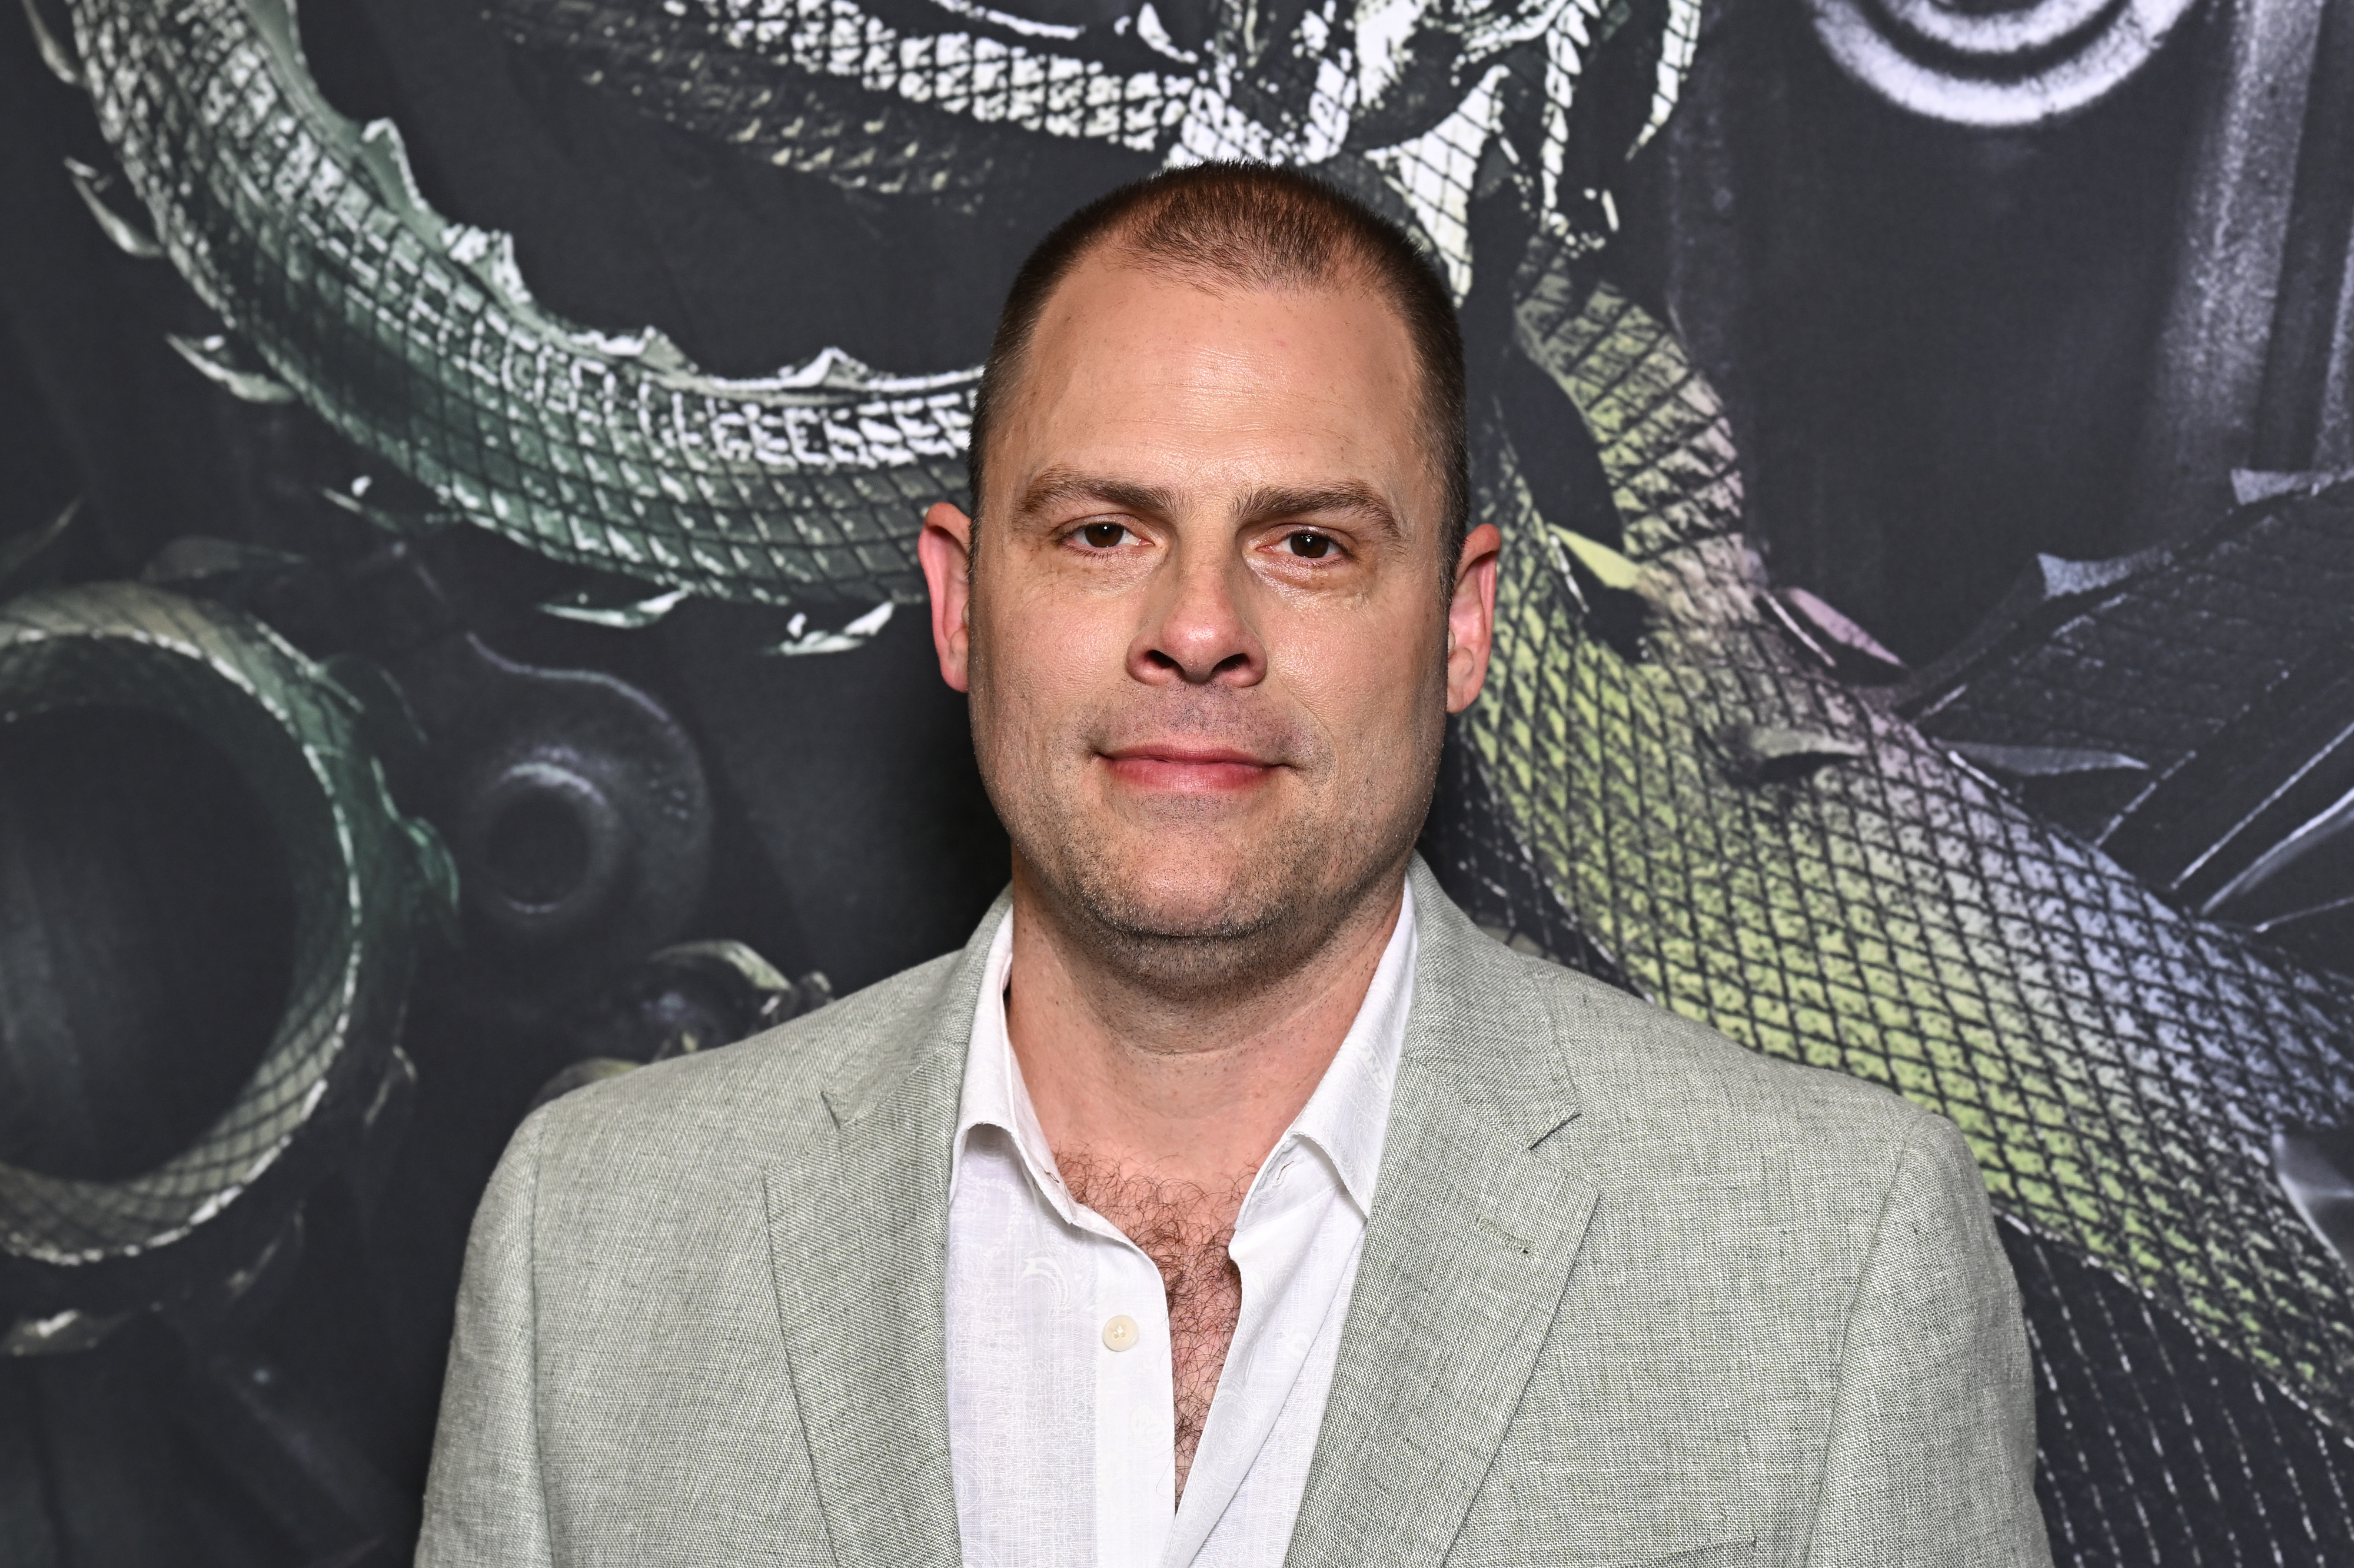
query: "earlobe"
945, 549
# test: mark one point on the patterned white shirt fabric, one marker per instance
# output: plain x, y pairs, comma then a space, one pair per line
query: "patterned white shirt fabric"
1061, 1421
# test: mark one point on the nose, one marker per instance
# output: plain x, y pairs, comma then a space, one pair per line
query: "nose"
1194, 631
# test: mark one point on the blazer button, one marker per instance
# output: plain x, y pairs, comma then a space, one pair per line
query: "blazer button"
1119, 1333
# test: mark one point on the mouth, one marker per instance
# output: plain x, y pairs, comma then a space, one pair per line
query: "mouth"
1166, 767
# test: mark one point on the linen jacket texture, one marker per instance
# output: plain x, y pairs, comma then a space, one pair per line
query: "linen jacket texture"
1629, 1295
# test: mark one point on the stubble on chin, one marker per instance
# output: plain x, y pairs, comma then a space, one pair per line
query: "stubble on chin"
1248, 912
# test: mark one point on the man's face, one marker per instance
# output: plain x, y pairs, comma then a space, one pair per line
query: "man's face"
1209, 641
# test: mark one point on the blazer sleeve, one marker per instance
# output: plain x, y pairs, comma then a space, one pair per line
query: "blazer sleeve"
484, 1506
1931, 1458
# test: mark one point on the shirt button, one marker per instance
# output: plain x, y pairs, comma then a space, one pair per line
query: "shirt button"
1119, 1333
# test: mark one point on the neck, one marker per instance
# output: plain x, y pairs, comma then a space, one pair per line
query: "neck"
1180, 1087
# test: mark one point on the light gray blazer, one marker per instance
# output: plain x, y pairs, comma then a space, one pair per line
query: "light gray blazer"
1629, 1295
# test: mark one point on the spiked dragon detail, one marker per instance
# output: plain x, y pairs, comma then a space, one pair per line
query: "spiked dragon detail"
1879, 908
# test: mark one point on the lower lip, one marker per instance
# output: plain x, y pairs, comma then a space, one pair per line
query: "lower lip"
1174, 776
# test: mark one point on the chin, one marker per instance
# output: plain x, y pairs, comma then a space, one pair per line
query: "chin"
1177, 889
1182, 887
1197, 887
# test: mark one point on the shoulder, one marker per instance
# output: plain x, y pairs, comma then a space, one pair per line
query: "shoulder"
1622, 1048
1654, 1090
745, 1103
1658, 1074
1709, 1149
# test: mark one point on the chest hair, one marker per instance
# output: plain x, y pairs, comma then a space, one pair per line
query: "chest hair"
1183, 1228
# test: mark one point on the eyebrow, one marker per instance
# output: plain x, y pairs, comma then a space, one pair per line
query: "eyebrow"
1349, 497
1256, 506
1054, 486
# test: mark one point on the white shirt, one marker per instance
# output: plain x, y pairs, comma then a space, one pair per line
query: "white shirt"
1064, 1447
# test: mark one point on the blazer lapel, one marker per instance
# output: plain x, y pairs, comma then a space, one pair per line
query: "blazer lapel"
858, 1240
1473, 1227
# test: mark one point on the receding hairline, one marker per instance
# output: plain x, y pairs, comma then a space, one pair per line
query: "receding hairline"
1349, 270
1129, 241
1348, 276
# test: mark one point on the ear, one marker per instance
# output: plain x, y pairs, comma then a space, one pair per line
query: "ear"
945, 547
1471, 617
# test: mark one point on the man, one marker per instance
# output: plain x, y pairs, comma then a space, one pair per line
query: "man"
1230, 1199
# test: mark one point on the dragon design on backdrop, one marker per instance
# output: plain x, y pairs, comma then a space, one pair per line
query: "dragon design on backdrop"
370, 884
1724, 794
1756, 843
419, 340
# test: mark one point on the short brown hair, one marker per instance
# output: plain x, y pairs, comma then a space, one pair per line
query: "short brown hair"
1251, 225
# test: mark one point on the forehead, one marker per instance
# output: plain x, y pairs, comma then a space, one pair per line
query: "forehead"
1145, 374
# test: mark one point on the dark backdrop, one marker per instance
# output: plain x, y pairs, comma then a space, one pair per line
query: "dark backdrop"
1945, 350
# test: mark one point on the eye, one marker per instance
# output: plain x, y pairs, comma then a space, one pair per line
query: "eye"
1310, 546
1103, 535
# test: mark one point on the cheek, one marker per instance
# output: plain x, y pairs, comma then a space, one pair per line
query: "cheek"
1371, 685
1039, 656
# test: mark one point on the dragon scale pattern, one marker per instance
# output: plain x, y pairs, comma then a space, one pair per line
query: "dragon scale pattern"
2118, 1068
416, 338
368, 883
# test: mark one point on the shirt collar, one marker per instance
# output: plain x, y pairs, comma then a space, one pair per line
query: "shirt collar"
1345, 1119
995, 1094
1350, 1111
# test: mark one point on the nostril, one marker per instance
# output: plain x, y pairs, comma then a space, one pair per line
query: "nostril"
1198, 672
